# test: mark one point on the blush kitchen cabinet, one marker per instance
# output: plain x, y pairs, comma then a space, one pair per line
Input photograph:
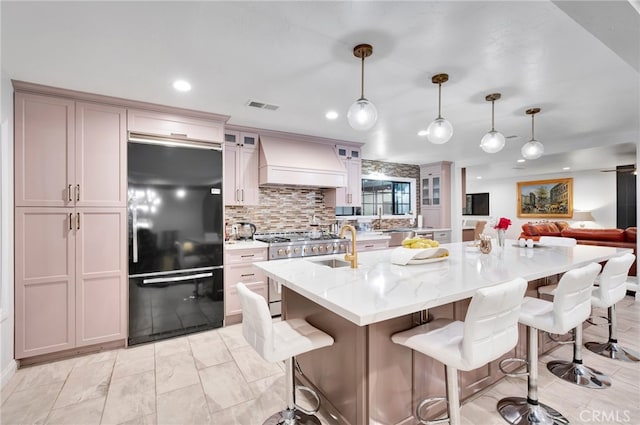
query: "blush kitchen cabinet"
69, 153
241, 176
174, 126
436, 194
350, 196
70, 274
70, 222
238, 267
371, 244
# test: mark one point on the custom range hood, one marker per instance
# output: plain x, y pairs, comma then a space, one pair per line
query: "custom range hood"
285, 162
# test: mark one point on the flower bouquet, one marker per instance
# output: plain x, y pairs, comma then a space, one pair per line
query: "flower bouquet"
502, 225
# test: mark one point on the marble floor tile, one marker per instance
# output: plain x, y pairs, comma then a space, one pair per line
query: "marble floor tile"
102, 356
45, 374
253, 366
136, 352
232, 336
85, 382
175, 371
209, 352
224, 386
142, 420
172, 346
129, 398
20, 407
184, 406
86, 412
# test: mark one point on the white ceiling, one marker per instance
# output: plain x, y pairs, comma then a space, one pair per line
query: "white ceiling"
578, 61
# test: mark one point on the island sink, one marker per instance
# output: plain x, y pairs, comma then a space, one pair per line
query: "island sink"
334, 263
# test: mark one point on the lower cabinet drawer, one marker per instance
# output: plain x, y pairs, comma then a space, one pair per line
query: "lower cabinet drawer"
232, 300
442, 237
364, 246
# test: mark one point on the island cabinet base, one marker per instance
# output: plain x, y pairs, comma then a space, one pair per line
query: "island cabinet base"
364, 378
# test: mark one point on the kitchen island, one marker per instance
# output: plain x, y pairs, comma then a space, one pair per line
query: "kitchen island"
366, 379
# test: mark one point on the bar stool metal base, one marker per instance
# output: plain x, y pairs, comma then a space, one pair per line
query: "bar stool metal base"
579, 374
518, 411
292, 417
613, 351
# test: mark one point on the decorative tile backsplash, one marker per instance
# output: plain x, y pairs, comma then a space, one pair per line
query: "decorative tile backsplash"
291, 208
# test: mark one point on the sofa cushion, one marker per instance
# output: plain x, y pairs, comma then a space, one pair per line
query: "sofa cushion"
561, 225
540, 229
630, 234
613, 235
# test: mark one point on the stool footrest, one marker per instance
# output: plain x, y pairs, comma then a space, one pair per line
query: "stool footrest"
315, 396
591, 321
510, 360
423, 403
555, 339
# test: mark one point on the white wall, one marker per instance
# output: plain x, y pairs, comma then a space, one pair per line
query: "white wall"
592, 190
7, 363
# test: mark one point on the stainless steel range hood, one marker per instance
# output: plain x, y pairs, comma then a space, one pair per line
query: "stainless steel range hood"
292, 163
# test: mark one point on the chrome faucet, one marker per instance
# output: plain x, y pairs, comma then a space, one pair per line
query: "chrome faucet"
353, 257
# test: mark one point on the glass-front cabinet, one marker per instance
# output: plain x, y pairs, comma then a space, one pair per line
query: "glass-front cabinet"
435, 194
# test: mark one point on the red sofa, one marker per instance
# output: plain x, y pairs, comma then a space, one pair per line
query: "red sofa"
604, 237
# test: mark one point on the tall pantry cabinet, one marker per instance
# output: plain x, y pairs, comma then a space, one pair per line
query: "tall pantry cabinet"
70, 223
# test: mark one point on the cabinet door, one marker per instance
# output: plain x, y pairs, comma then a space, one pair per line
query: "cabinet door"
101, 162
232, 300
170, 125
426, 191
354, 181
248, 175
101, 275
44, 154
435, 191
231, 183
44, 280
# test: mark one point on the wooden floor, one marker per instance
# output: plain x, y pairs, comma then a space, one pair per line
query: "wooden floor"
216, 378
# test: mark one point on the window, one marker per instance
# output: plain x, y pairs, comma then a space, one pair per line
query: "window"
393, 195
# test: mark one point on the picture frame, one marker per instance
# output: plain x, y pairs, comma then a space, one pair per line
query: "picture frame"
551, 198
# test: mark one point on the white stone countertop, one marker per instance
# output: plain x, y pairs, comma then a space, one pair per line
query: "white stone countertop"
378, 290
368, 236
231, 245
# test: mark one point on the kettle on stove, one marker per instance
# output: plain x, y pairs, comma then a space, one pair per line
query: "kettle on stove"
245, 230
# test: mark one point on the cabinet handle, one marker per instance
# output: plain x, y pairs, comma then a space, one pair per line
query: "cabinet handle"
247, 255
248, 274
77, 193
70, 221
242, 194
179, 134
238, 195
78, 220
369, 246
70, 194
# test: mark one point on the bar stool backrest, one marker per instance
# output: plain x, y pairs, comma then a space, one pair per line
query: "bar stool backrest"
257, 327
558, 241
491, 323
572, 300
613, 279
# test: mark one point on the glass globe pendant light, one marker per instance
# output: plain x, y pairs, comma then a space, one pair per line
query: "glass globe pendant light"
532, 149
493, 141
362, 115
440, 130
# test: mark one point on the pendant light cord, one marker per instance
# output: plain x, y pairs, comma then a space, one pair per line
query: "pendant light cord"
439, 100
493, 102
532, 135
362, 77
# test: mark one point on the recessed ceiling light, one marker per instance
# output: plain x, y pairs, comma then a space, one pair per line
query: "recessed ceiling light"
422, 133
331, 115
521, 160
566, 168
181, 85
479, 177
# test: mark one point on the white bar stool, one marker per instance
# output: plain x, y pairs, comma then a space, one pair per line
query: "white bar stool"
281, 341
570, 307
611, 289
490, 329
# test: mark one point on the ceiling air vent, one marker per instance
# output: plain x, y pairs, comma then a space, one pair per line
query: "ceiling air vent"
262, 105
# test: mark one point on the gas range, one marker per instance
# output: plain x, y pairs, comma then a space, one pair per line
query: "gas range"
284, 245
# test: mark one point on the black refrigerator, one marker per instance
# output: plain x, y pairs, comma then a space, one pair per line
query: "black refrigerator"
175, 219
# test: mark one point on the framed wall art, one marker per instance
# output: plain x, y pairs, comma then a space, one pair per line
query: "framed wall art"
546, 198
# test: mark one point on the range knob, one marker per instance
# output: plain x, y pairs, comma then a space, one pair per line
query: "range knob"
296, 250
342, 247
321, 248
314, 249
288, 251
306, 249
329, 248
280, 251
